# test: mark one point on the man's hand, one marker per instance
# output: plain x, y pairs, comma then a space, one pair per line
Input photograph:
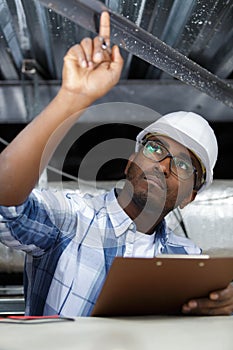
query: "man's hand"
219, 303
92, 68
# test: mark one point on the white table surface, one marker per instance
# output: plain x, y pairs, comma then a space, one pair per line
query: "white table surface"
210, 333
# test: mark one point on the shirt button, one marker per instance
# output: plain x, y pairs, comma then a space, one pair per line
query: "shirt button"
131, 226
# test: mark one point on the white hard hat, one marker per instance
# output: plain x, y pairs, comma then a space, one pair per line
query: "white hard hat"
192, 131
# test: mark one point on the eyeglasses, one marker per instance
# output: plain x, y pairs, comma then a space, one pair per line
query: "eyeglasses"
180, 167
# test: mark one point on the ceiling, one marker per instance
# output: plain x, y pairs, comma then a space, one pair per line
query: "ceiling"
199, 29
178, 55
34, 36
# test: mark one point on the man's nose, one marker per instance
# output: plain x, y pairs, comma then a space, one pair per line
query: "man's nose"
165, 166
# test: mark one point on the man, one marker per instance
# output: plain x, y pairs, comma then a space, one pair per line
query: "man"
71, 240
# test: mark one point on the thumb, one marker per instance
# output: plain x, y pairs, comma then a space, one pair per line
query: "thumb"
117, 60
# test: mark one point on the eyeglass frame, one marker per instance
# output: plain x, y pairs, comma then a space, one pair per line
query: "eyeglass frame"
196, 187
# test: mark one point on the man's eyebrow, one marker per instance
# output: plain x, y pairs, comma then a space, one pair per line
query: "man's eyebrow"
156, 138
186, 156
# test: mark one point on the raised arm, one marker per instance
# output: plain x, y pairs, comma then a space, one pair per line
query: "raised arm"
89, 72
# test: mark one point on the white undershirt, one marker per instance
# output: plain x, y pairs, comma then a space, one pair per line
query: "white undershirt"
143, 246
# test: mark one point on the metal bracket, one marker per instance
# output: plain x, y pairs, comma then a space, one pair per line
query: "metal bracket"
29, 67
29, 72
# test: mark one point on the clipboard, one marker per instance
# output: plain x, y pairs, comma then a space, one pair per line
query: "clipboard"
161, 285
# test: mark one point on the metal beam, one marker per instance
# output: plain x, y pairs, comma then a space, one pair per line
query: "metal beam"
145, 46
154, 95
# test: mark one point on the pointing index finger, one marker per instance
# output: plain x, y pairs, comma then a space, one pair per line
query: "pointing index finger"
104, 30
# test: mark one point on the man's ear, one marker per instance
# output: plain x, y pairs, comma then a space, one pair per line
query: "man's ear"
188, 199
130, 160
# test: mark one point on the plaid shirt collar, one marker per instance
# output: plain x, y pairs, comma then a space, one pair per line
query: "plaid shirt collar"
122, 222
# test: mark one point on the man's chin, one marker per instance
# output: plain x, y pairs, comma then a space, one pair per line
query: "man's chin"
147, 202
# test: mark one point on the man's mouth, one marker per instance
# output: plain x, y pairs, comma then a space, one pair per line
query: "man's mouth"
155, 180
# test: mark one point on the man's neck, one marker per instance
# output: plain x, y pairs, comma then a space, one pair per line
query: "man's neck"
146, 220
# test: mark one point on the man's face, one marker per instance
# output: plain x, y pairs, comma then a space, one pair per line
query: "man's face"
155, 185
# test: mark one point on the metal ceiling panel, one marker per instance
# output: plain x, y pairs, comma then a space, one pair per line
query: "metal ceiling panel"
32, 35
40, 38
8, 35
200, 26
139, 42
213, 46
177, 19
8, 70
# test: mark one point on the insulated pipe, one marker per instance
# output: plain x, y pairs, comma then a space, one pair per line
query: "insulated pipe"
144, 45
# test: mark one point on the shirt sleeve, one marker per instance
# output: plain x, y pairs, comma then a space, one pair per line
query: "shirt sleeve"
35, 225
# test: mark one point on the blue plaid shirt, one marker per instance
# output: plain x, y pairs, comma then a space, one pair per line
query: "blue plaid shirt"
71, 240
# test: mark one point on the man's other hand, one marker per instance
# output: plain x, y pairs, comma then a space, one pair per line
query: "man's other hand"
219, 303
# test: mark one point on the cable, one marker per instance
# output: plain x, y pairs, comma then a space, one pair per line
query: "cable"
60, 172
180, 220
4, 142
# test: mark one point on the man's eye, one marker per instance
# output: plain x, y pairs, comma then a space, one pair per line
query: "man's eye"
154, 147
182, 164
